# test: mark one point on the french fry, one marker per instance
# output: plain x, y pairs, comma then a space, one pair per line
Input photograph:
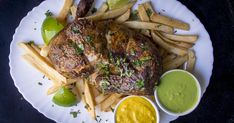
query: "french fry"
89, 99
102, 9
191, 61
80, 89
182, 38
145, 32
36, 48
53, 89
45, 50
123, 17
169, 58
179, 60
148, 25
148, 7
177, 43
113, 105
73, 10
110, 100
101, 98
65, 10
170, 48
169, 21
142, 13
112, 13
95, 92
48, 70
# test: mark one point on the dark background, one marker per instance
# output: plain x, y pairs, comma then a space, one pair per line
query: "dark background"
217, 105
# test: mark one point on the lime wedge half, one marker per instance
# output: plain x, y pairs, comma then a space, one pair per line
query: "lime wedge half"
64, 97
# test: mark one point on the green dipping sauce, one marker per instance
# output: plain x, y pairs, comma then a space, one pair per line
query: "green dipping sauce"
178, 91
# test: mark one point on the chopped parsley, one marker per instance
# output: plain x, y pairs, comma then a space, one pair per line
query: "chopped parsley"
104, 84
78, 48
74, 113
30, 42
48, 13
137, 62
146, 58
104, 68
94, 10
134, 15
75, 30
89, 38
149, 12
112, 109
140, 83
39, 83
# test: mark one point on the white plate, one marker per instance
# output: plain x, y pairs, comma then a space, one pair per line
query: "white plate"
26, 78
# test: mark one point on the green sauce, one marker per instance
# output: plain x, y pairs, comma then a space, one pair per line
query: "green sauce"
178, 91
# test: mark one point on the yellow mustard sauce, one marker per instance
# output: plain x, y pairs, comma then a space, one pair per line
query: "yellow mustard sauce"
135, 110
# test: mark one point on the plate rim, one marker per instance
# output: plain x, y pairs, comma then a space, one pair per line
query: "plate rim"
42, 4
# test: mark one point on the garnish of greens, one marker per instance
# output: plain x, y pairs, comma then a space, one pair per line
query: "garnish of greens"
75, 113
104, 84
140, 83
64, 97
149, 12
50, 27
134, 15
79, 48
141, 61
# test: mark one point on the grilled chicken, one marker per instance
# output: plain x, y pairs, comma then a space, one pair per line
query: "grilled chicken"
114, 58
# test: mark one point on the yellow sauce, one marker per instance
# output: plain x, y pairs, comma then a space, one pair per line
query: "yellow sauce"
135, 110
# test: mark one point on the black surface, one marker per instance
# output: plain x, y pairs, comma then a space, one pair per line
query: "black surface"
217, 105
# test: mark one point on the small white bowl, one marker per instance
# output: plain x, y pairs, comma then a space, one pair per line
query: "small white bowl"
151, 102
189, 110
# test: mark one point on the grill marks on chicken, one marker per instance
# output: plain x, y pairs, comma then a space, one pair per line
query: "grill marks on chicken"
115, 58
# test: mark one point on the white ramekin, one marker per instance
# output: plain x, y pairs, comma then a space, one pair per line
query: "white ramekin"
182, 113
151, 102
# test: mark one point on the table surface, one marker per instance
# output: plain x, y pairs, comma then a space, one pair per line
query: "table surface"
217, 104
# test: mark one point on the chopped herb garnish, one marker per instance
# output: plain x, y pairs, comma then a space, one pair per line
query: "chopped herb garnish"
104, 68
140, 83
89, 38
35, 28
52, 105
75, 30
39, 83
133, 53
82, 121
112, 109
104, 84
134, 15
106, 120
48, 13
137, 63
74, 113
78, 48
149, 12
94, 10
30, 42
163, 10
146, 58
86, 106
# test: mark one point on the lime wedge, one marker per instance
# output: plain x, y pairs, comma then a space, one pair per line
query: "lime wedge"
115, 4
64, 97
50, 28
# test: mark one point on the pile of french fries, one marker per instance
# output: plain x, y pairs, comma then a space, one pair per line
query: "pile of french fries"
175, 49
